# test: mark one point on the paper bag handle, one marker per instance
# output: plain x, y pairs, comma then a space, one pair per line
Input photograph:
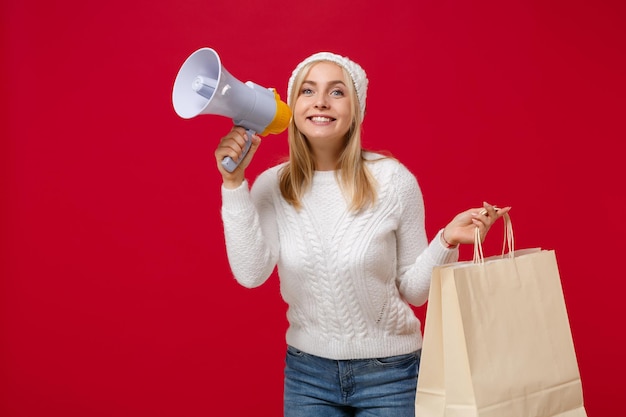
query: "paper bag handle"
508, 242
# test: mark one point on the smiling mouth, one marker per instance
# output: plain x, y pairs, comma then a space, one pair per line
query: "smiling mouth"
320, 119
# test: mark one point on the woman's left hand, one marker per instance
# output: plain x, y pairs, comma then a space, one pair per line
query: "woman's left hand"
462, 228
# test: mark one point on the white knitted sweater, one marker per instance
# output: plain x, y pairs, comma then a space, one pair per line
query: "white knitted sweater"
347, 278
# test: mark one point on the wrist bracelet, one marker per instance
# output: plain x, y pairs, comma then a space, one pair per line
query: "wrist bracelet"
447, 244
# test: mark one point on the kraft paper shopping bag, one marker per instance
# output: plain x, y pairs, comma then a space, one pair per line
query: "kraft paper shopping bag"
497, 340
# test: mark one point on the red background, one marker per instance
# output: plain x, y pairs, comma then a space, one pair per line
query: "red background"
115, 294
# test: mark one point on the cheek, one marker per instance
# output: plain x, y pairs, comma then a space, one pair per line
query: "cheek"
299, 108
299, 112
349, 111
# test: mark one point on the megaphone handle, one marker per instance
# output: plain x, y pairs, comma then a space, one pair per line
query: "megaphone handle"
228, 163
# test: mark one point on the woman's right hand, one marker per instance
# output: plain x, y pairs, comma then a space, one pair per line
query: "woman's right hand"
232, 145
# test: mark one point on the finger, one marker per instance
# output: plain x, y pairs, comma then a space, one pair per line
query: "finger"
480, 219
239, 136
236, 141
482, 228
255, 142
241, 131
501, 212
478, 222
489, 210
228, 147
496, 213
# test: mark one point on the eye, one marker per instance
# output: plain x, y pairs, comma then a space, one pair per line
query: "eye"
306, 91
337, 93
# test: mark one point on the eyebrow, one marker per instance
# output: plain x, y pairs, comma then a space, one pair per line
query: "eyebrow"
335, 82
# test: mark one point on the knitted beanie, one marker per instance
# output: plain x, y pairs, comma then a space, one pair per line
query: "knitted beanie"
359, 78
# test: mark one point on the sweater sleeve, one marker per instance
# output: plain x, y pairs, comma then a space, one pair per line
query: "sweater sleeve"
250, 231
416, 258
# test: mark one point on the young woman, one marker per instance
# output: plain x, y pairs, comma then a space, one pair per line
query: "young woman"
346, 229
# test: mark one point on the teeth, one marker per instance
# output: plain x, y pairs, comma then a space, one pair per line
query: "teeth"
321, 119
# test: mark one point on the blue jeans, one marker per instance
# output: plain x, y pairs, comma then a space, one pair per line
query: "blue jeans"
318, 387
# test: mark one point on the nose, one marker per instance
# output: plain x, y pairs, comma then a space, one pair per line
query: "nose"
321, 101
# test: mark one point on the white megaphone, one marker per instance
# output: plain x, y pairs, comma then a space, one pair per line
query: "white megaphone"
203, 86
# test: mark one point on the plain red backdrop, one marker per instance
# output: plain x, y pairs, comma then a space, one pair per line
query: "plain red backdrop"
115, 294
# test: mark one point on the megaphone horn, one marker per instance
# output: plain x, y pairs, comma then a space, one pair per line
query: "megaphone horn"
203, 86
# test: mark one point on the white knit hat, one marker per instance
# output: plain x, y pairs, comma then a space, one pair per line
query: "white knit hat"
359, 78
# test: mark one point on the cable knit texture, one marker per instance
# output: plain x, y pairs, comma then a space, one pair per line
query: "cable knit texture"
347, 278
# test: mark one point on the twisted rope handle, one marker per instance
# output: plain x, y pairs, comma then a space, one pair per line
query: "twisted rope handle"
507, 242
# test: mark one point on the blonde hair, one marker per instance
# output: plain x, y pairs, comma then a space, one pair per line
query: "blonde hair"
353, 175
